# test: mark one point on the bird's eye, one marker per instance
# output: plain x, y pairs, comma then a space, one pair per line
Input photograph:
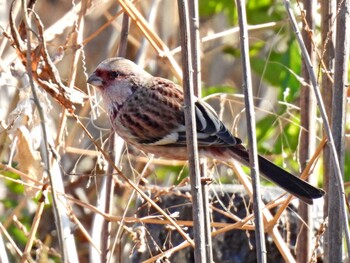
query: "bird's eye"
113, 75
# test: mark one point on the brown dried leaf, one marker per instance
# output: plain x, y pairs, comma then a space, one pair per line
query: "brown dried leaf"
29, 161
43, 70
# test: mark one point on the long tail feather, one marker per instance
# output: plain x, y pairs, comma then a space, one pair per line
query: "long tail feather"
289, 182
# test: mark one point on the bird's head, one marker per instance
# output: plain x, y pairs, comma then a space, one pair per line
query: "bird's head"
116, 71
117, 79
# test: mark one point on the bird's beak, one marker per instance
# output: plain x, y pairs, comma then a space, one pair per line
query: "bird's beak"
95, 80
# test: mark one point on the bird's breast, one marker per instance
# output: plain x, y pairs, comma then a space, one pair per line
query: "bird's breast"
114, 110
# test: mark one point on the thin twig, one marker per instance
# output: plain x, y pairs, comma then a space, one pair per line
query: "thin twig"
328, 13
123, 43
106, 193
3, 254
77, 37
196, 65
227, 32
56, 211
15, 248
307, 141
250, 114
34, 228
142, 51
338, 120
191, 134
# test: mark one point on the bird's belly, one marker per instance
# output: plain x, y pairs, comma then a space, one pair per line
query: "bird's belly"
168, 152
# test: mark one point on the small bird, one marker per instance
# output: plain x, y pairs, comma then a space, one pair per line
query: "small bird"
148, 112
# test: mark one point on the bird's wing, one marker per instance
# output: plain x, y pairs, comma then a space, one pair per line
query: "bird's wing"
155, 116
210, 130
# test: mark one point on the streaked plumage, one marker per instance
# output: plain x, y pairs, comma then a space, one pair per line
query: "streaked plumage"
147, 112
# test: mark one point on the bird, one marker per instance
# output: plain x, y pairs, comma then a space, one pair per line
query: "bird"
148, 112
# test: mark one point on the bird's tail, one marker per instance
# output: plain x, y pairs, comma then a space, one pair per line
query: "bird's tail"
289, 182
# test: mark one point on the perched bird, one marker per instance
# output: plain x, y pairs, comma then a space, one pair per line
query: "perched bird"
147, 112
